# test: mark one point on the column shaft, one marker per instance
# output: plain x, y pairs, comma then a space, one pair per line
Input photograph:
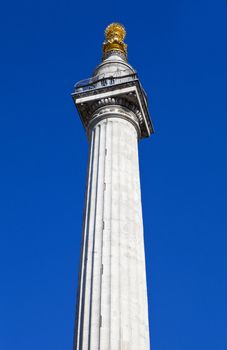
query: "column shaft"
112, 298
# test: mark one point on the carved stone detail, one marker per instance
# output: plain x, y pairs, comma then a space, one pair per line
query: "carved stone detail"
114, 111
115, 53
128, 110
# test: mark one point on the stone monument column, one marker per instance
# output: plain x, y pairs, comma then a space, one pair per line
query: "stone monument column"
112, 310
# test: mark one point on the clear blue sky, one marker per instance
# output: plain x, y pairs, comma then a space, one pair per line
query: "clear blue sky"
179, 49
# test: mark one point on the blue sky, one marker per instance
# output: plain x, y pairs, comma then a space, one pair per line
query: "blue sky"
178, 48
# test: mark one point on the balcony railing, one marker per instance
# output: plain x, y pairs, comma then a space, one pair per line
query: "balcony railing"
102, 80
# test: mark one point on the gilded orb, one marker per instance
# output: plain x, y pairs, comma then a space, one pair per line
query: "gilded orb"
114, 38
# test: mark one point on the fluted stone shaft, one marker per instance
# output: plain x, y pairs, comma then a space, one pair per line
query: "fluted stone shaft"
112, 312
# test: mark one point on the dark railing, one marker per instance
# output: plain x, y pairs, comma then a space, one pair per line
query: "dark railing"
104, 80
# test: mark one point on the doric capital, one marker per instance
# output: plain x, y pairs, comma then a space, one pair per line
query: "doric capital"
113, 112
127, 93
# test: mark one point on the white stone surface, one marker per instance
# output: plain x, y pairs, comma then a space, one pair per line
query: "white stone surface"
113, 65
112, 299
